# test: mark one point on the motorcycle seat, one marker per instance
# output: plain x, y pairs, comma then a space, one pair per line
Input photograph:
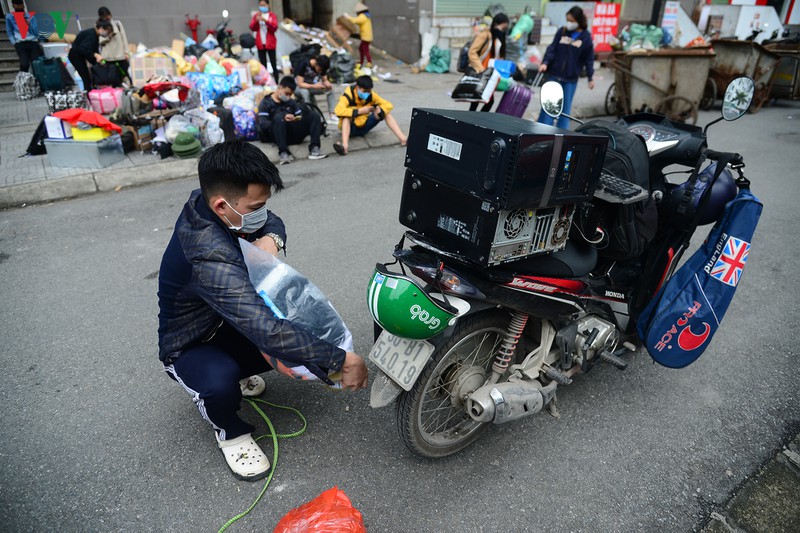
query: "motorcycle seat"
574, 261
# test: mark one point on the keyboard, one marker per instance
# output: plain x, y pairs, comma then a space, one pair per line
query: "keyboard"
618, 191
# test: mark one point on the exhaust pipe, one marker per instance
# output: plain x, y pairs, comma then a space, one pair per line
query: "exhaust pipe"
504, 402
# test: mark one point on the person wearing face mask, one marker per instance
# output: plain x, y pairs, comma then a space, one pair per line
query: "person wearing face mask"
570, 51
281, 120
86, 48
359, 110
114, 47
490, 43
213, 326
265, 24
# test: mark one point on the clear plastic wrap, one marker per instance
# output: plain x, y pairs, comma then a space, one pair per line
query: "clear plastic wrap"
291, 296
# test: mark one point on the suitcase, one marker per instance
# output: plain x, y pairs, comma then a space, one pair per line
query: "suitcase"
515, 101
48, 74
225, 121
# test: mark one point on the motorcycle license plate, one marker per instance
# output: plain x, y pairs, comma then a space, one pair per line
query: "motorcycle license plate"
400, 359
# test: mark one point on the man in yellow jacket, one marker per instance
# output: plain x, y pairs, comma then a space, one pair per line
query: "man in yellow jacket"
359, 110
364, 23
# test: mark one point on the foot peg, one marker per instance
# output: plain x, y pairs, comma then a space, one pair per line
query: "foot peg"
558, 376
613, 360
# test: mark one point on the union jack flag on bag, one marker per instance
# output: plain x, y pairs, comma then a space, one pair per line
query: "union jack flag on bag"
678, 324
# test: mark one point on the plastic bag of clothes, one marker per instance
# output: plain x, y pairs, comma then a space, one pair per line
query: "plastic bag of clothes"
244, 123
644, 37
209, 125
212, 87
180, 124
291, 296
330, 511
439, 60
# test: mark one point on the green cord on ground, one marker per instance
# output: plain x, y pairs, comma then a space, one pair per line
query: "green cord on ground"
275, 436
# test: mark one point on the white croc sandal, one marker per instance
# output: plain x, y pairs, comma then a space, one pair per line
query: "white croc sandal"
245, 457
252, 386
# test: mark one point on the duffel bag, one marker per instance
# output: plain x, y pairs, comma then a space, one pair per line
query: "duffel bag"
48, 73
105, 101
106, 74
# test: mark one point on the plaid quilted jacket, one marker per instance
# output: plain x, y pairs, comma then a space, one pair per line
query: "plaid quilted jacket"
203, 280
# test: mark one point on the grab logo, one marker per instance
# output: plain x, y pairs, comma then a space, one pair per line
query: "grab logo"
418, 313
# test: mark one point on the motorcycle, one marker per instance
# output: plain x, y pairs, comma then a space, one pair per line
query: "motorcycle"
461, 345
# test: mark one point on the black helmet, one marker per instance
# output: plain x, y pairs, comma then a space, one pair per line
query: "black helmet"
723, 190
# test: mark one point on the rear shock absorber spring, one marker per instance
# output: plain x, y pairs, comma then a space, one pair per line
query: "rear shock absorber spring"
509, 344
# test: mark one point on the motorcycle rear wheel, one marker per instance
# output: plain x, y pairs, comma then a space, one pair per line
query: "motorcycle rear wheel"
431, 418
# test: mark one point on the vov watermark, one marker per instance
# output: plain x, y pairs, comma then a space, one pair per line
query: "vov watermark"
47, 23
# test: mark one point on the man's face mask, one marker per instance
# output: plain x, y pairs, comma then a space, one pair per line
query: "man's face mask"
251, 222
363, 95
283, 97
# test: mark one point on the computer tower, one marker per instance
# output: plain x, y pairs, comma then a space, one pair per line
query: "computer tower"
509, 161
477, 230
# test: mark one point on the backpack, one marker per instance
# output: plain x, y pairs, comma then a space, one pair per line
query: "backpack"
246, 40
629, 227
342, 69
36, 146
25, 86
309, 107
678, 324
463, 58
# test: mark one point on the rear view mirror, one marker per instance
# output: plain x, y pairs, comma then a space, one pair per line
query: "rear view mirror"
552, 96
738, 97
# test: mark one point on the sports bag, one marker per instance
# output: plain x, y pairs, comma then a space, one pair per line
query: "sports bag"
25, 86
48, 73
105, 101
630, 227
678, 324
106, 74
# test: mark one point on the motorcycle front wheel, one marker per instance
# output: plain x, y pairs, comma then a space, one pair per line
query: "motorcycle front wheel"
431, 417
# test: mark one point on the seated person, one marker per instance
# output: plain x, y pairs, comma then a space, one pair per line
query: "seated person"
360, 109
311, 76
281, 120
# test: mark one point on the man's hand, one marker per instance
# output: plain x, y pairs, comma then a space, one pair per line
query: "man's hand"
327, 85
542, 68
354, 372
366, 110
289, 117
591, 84
267, 244
99, 58
320, 86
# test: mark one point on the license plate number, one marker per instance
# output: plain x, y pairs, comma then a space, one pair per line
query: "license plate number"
400, 359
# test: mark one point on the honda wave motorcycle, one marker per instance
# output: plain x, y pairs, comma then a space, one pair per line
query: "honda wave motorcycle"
462, 342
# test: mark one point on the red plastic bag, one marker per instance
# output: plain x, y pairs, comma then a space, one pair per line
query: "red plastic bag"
330, 512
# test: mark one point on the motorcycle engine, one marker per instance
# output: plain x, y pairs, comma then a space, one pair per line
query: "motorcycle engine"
595, 336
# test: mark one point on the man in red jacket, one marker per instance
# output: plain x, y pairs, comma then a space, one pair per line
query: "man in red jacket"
265, 24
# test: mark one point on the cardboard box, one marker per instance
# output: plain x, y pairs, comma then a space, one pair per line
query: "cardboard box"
91, 135
347, 24
144, 68
57, 128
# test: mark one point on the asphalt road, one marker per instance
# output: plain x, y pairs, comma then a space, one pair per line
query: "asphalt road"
97, 438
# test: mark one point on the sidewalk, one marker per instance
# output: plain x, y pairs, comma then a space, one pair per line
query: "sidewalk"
30, 180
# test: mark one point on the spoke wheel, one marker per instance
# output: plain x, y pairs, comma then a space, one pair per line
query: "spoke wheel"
678, 108
431, 417
612, 104
709, 95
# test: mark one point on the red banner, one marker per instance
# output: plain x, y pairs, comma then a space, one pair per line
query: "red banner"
605, 25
